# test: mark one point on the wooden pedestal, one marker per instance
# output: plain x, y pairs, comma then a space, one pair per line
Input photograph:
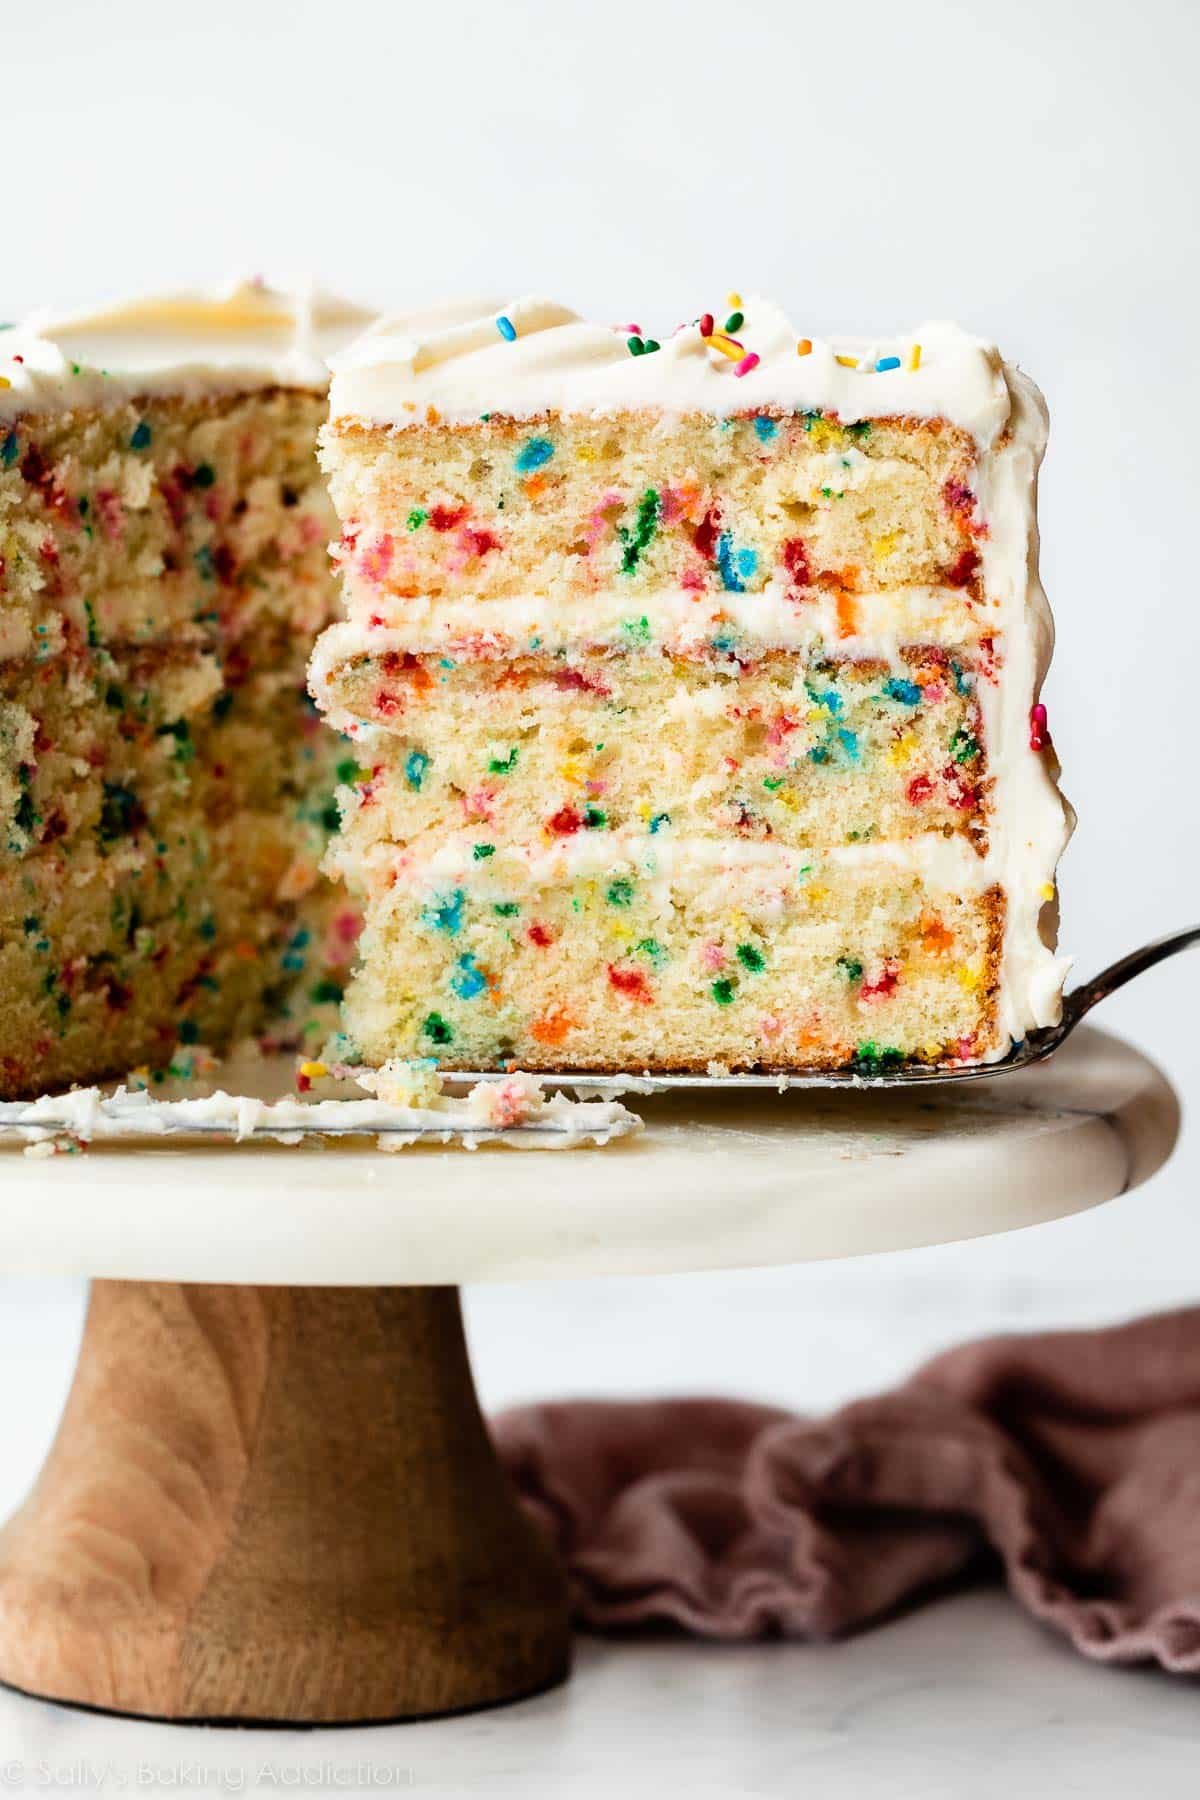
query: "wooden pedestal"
276, 1505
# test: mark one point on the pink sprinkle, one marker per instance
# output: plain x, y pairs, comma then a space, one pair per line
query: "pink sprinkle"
1039, 730
748, 362
712, 957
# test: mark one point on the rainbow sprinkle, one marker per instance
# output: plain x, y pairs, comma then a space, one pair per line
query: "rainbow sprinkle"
506, 328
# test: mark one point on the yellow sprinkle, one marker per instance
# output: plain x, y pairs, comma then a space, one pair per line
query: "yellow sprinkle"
969, 978
847, 362
586, 453
1047, 890
733, 301
804, 347
313, 1070
914, 357
900, 754
883, 546
571, 771
726, 345
4, 381
816, 891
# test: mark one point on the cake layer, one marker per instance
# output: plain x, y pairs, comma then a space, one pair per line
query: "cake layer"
160, 836
189, 520
627, 956
568, 505
798, 751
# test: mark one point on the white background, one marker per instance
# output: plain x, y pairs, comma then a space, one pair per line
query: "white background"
1027, 168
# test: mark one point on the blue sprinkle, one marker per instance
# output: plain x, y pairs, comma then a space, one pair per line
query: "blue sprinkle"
468, 980
141, 436
885, 363
724, 643
831, 701
445, 914
532, 455
8, 451
415, 766
657, 823
907, 692
849, 742
766, 429
818, 754
736, 566
506, 328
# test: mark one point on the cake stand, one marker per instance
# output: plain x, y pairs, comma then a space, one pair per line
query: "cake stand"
272, 1497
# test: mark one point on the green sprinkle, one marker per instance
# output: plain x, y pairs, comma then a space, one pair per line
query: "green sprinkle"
204, 475
652, 948
436, 1029
326, 992
751, 958
874, 1059
964, 746
850, 967
638, 538
594, 819
504, 765
506, 909
481, 852
771, 782
93, 633
620, 892
417, 518
861, 428
636, 630
348, 772
723, 991
735, 321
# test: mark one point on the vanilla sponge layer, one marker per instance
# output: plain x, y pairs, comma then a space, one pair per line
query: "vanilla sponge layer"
804, 752
161, 826
197, 521
626, 956
565, 507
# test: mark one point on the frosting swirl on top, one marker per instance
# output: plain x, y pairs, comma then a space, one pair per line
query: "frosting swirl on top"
188, 344
527, 357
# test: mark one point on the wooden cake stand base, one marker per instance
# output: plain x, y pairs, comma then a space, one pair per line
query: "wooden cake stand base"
276, 1505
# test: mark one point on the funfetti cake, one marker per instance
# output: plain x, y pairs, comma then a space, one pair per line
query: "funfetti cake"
164, 784
695, 686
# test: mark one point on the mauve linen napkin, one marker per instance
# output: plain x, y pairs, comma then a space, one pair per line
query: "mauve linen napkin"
1073, 1458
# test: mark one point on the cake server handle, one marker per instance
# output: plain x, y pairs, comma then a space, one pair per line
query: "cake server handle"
1081, 1000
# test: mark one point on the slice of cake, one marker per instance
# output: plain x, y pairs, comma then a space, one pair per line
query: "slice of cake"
695, 694
164, 784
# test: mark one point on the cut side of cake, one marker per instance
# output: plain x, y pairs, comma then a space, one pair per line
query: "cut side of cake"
165, 784
694, 691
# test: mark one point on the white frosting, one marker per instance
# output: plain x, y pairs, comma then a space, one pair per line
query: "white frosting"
190, 344
513, 1111
457, 362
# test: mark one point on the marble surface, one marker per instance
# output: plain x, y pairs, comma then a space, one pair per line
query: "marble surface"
722, 1180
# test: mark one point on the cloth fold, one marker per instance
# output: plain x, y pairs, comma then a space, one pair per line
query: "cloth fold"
1070, 1461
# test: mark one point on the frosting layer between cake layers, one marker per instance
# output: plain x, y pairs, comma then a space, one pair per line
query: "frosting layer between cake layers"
865, 867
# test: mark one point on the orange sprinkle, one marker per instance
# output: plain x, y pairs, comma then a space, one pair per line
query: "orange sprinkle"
934, 934
432, 416
553, 1026
533, 485
847, 615
246, 951
804, 347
